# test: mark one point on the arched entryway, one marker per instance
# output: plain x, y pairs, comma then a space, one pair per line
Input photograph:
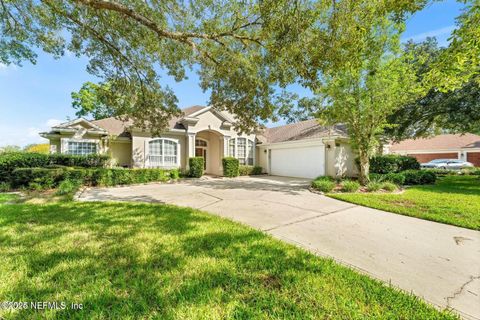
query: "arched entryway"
209, 145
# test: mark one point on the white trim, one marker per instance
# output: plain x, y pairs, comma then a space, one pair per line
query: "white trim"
423, 151
147, 152
78, 120
64, 143
295, 143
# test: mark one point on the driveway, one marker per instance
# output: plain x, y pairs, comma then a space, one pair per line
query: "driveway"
438, 262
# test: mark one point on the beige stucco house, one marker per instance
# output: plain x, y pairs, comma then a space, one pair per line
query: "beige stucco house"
305, 149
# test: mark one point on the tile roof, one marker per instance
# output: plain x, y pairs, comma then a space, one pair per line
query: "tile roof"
440, 142
308, 129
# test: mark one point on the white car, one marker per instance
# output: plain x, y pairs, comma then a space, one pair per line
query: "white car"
453, 164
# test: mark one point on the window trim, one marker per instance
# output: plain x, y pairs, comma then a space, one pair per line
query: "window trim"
64, 144
247, 150
162, 165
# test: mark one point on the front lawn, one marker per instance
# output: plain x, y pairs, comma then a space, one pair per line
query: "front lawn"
453, 200
122, 260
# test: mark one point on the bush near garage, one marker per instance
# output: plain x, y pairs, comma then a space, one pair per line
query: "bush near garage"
396, 178
249, 170
415, 177
392, 163
196, 167
349, 186
407, 177
231, 167
47, 178
323, 184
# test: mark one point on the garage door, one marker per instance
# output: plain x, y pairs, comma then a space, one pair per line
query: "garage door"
474, 157
304, 162
427, 157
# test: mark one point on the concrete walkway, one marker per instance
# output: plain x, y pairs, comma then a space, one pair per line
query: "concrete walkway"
438, 262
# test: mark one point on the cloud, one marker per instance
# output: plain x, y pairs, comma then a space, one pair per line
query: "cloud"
21, 136
438, 33
53, 122
4, 68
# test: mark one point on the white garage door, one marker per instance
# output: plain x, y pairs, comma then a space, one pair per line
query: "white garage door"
304, 162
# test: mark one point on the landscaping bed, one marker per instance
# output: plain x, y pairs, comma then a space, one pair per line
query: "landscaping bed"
124, 260
454, 199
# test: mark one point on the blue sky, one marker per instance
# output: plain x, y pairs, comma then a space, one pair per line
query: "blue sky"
35, 97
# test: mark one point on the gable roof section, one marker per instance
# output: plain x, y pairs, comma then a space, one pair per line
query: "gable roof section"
308, 129
120, 128
440, 142
69, 124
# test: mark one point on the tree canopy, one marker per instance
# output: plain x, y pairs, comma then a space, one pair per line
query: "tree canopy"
129, 45
436, 111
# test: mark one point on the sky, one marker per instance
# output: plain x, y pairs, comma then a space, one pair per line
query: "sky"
35, 97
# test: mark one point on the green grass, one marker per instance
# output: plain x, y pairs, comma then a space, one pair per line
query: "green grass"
7, 197
123, 260
453, 200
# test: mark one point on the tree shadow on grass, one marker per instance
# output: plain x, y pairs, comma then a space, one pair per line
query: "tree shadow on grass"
123, 260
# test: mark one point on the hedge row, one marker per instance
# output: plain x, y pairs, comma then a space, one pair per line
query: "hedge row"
407, 177
13, 160
392, 163
46, 178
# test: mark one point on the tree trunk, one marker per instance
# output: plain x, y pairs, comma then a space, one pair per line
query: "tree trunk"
364, 168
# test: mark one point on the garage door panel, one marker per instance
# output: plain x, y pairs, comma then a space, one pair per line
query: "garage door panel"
304, 162
427, 157
474, 157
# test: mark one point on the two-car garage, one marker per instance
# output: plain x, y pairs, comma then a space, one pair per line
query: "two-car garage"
304, 162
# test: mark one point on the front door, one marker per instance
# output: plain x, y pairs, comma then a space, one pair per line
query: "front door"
202, 152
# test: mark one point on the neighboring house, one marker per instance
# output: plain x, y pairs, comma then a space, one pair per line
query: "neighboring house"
445, 146
305, 149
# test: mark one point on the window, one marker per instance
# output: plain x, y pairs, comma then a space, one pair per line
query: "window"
231, 148
81, 148
200, 143
162, 153
250, 153
242, 149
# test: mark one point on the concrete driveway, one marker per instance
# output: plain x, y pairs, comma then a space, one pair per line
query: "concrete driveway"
438, 262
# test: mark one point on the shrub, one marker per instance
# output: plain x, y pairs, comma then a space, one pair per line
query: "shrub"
244, 170
231, 167
350, 186
43, 178
388, 186
36, 178
174, 174
392, 163
373, 186
5, 187
196, 167
257, 170
414, 177
13, 160
396, 178
68, 186
324, 185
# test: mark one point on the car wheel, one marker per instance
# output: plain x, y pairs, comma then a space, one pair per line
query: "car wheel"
444, 168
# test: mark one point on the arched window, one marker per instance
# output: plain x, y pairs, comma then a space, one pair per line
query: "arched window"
243, 149
162, 153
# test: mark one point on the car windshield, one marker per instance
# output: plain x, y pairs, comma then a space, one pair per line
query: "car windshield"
439, 161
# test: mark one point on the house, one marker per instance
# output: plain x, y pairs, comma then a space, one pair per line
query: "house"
305, 149
445, 146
